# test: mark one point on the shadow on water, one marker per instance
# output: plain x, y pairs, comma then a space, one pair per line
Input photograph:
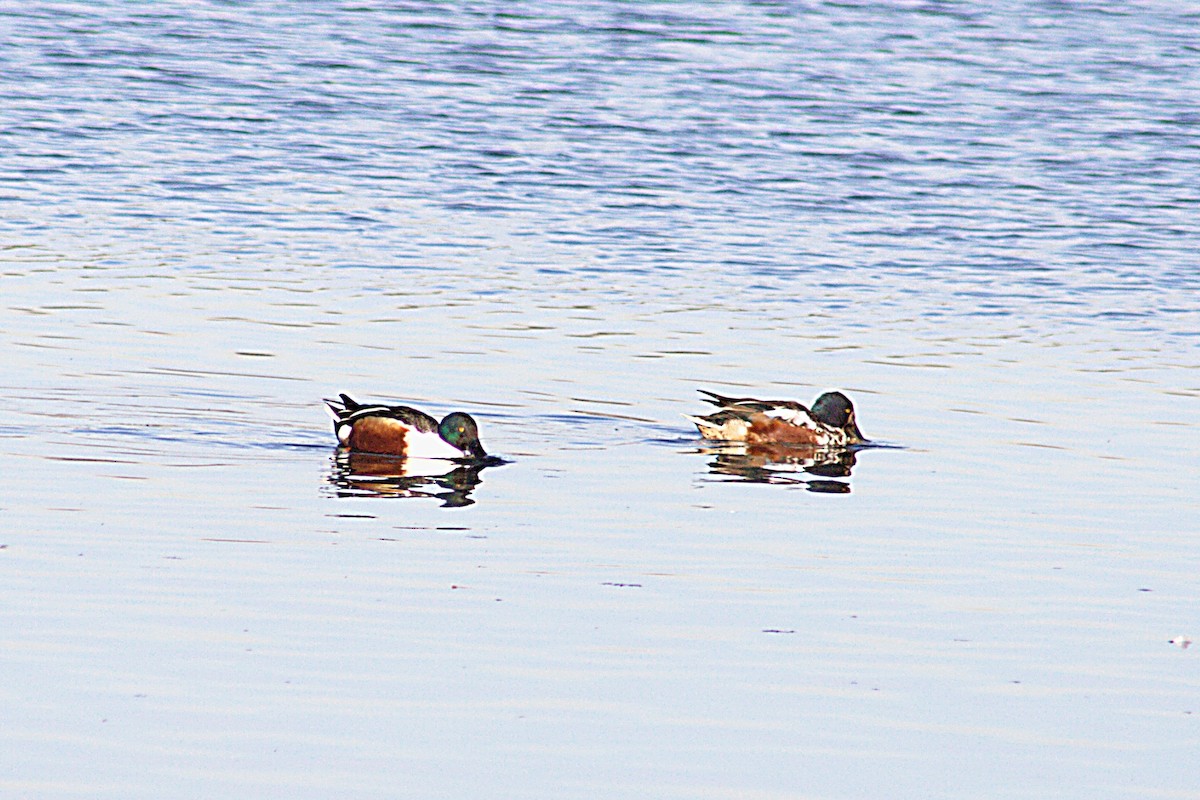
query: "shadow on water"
370, 475
783, 465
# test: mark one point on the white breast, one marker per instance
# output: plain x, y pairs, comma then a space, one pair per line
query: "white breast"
429, 445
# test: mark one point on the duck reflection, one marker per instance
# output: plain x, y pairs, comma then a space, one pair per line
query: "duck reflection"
371, 475
783, 464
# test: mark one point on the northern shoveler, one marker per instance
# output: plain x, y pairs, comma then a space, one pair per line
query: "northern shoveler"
829, 423
403, 431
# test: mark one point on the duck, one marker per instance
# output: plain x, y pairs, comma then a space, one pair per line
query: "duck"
829, 423
403, 431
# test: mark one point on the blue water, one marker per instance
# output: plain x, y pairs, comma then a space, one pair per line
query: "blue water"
976, 220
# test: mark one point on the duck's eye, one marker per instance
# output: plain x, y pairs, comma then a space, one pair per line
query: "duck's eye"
462, 429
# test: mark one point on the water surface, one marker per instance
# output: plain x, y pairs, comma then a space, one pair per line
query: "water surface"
976, 221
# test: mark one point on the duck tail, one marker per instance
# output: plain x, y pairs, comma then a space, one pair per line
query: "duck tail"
708, 429
341, 408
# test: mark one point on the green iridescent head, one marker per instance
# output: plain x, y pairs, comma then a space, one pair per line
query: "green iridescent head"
460, 430
835, 410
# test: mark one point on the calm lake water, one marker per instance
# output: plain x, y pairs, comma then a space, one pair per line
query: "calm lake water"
977, 220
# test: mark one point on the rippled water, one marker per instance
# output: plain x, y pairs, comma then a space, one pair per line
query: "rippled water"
977, 220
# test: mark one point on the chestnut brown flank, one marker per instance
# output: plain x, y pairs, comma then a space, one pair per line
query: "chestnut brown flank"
378, 435
766, 429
